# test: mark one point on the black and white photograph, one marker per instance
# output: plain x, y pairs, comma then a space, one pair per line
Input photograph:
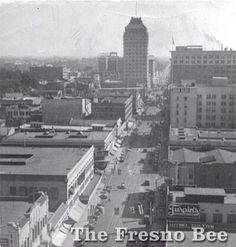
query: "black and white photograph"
117, 123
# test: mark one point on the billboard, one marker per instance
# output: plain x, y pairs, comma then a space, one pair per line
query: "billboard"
183, 210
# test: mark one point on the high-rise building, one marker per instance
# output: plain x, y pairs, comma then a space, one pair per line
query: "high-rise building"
102, 62
151, 70
113, 60
203, 106
135, 45
194, 63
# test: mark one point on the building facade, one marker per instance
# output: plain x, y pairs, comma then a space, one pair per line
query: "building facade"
210, 169
183, 106
210, 208
113, 108
135, 46
203, 106
151, 71
17, 115
24, 223
61, 111
194, 63
27, 170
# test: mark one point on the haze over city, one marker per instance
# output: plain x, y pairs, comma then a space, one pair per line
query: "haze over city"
85, 28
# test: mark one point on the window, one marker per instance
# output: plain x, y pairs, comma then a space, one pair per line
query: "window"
23, 191
231, 218
12, 190
223, 96
185, 98
217, 218
199, 109
190, 174
32, 190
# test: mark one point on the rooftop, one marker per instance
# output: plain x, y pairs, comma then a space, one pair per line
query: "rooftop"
13, 211
59, 138
39, 161
82, 122
204, 191
135, 23
113, 99
179, 195
184, 155
202, 136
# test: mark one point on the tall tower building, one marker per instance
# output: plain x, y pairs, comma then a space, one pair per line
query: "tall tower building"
135, 45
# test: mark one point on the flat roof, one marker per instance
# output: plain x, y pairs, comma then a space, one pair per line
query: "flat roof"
204, 191
61, 138
13, 211
184, 155
88, 122
202, 135
39, 161
113, 99
229, 198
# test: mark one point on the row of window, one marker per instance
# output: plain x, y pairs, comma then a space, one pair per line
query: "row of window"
53, 192
218, 218
213, 110
35, 232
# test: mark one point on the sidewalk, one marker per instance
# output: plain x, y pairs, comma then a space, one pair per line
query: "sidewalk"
94, 200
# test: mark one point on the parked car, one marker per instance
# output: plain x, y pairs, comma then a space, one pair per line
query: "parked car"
146, 183
122, 186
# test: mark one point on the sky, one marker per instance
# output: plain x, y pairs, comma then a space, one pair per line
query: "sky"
88, 28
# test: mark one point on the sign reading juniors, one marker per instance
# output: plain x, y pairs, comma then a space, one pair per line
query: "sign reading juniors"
183, 210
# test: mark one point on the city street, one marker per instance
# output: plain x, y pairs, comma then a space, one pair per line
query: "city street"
130, 183
124, 199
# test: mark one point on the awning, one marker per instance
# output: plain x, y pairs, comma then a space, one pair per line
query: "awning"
58, 239
77, 211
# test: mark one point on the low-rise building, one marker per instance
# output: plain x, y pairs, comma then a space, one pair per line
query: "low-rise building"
210, 208
24, 221
63, 173
61, 111
203, 106
17, 115
119, 88
202, 139
112, 108
213, 169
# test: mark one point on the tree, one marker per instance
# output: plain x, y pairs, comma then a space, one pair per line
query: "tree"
28, 80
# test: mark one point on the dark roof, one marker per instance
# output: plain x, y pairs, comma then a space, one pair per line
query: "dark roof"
204, 191
82, 122
135, 23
